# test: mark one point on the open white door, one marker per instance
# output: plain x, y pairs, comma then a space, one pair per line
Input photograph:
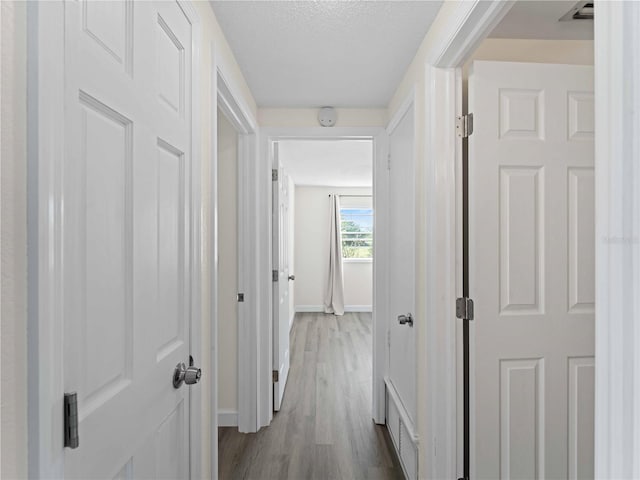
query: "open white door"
125, 272
280, 218
531, 270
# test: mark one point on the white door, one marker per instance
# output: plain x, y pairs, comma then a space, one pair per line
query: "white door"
531, 239
280, 214
402, 337
126, 194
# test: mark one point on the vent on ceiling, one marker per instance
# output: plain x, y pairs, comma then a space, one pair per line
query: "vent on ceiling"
580, 11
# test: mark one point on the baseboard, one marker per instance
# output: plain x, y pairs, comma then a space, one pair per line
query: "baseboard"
347, 308
309, 308
402, 432
358, 308
227, 418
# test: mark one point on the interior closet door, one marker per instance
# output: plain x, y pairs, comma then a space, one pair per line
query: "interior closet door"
402, 336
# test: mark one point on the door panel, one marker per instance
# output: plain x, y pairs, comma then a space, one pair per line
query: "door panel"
531, 270
402, 338
171, 224
281, 313
108, 329
126, 237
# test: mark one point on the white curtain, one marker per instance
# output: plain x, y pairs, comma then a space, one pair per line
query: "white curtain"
334, 291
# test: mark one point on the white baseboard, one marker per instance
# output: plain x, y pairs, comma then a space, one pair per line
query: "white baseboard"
227, 418
347, 308
358, 308
309, 308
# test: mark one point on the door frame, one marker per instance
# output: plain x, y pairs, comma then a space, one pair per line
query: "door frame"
617, 47
378, 135
45, 154
617, 82
464, 26
225, 97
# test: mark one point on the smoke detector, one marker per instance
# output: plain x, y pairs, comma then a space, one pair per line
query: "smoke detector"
580, 11
327, 116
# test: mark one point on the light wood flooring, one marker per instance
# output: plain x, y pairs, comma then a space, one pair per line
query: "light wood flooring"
324, 429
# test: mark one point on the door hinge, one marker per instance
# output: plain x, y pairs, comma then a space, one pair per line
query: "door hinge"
274, 275
464, 125
464, 308
71, 438
388, 338
276, 376
241, 297
274, 175
389, 161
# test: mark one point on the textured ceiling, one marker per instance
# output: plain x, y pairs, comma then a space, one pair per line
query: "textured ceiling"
540, 20
334, 163
320, 53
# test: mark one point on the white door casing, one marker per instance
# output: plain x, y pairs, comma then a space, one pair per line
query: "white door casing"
268, 136
127, 239
280, 245
401, 206
531, 270
249, 277
617, 60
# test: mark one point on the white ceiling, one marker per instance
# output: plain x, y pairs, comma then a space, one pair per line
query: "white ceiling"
540, 20
335, 163
324, 53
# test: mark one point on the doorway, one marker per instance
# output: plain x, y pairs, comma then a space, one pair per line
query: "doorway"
378, 137
327, 401
317, 273
227, 290
234, 274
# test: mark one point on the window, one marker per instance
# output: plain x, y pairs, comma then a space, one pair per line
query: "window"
357, 233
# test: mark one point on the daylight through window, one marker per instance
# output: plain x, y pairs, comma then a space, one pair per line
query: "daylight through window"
357, 232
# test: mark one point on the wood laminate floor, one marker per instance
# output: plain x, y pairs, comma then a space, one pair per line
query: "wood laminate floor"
324, 429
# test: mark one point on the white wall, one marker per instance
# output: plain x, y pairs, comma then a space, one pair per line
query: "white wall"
13, 241
311, 252
572, 52
308, 117
227, 266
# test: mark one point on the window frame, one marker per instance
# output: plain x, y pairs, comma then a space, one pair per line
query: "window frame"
370, 233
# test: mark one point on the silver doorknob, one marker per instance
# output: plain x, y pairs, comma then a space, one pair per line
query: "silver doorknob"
292, 277
405, 319
183, 374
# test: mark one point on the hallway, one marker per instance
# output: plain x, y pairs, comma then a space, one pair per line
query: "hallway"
324, 429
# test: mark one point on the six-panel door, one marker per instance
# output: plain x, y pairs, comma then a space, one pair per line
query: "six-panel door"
126, 217
531, 224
